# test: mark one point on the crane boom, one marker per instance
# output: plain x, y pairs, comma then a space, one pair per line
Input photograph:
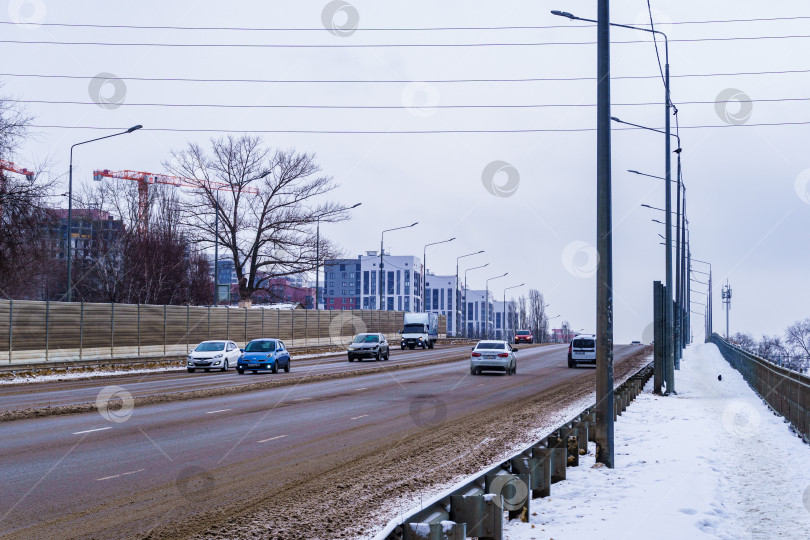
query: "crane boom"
144, 179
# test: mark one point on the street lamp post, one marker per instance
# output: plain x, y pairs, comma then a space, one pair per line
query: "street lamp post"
424, 267
70, 207
382, 237
465, 294
503, 321
486, 304
318, 255
458, 285
672, 352
710, 310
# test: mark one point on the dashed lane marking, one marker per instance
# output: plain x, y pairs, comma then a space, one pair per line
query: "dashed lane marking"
92, 430
272, 438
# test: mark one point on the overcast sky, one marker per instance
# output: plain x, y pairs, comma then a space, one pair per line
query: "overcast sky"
747, 195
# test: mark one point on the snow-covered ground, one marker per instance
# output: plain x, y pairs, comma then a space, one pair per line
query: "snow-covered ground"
711, 462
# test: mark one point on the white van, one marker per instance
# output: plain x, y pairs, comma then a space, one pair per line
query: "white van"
582, 350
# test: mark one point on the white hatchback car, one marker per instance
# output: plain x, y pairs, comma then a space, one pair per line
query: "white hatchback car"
582, 350
493, 355
215, 354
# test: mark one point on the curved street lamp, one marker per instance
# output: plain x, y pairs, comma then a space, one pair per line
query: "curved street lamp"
70, 207
382, 236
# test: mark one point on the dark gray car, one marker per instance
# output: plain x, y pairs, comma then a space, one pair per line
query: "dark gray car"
369, 346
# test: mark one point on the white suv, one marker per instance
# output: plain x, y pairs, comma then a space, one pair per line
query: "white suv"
582, 350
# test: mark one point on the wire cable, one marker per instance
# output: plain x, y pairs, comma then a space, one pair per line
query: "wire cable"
411, 132
395, 107
382, 45
395, 81
388, 29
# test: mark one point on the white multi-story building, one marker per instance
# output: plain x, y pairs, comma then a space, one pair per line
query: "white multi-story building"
443, 297
477, 303
401, 283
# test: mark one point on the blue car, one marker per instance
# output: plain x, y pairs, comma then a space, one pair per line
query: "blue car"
264, 355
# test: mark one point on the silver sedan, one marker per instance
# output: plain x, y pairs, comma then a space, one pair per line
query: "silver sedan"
493, 355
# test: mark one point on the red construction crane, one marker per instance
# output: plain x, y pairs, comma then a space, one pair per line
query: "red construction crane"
145, 178
9, 166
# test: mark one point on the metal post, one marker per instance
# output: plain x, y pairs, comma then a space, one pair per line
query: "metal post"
604, 276
69, 231
112, 330
81, 330
47, 326
188, 325
164, 329
668, 310
317, 264
678, 267
216, 251
10, 329
381, 273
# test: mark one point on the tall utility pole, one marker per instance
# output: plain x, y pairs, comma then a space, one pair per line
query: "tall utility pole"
727, 302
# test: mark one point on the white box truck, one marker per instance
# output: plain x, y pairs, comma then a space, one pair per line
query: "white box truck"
420, 330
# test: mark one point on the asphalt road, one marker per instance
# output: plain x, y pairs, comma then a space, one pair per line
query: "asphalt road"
179, 468
73, 392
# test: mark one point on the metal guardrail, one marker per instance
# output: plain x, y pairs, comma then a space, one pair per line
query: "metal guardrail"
786, 392
476, 509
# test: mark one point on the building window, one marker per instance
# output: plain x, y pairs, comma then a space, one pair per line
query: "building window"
435, 300
390, 283
399, 303
365, 282
427, 299
391, 304
407, 303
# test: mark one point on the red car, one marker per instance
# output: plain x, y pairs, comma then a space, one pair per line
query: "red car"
524, 336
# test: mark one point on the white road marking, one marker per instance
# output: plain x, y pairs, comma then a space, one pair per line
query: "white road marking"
358, 389
482, 384
119, 475
214, 412
302, 399
356, 417
273, 438
91, 430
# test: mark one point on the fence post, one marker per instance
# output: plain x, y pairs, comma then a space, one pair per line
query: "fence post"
292, 327
112, 330
139, 329
10, 329
262, 322
246, 317
228, 322
209, 322
164, 329
81, 329
47, 327
188, 324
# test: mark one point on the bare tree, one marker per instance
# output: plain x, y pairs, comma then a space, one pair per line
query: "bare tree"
797, 337
744, 341
269, 232
24, 221
537, 314
523, 315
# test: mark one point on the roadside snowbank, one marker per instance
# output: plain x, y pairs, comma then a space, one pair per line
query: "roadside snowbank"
178, 367
711, 462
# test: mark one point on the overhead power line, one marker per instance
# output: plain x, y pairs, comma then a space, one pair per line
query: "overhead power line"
397, 81
394, 107
381, 29
406, 132
380, 45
